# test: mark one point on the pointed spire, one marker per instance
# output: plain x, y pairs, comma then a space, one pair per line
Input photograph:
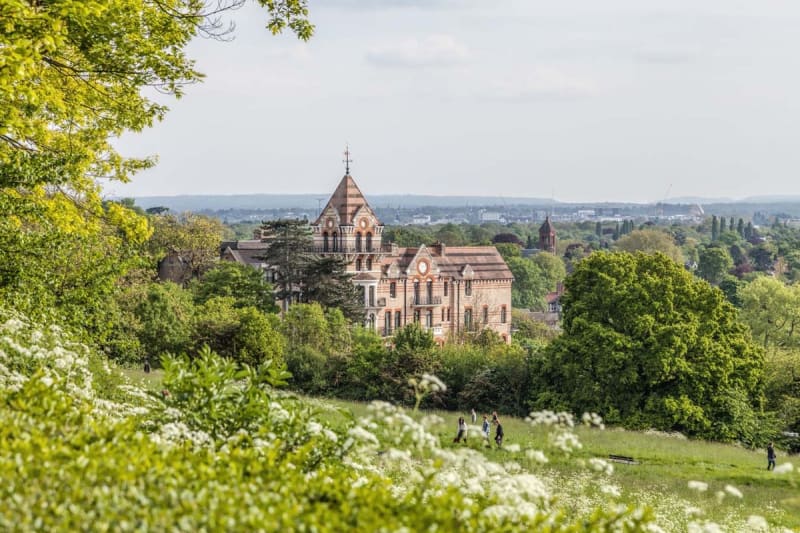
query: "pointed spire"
347, 160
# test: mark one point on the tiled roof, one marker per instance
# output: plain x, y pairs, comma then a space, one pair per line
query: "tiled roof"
346, 200
485, 261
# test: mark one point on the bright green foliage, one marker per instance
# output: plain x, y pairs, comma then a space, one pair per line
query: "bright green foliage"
714, 263
244, 335
195, 237
220, 449
167, 318
552, 269
72, 74
529, 287
245, 284
648, 345
651, 241
772, 310
305, 325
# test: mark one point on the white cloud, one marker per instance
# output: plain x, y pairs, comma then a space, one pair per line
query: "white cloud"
432, 51
543, 83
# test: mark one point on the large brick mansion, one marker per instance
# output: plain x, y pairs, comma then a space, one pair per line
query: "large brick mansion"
449, 290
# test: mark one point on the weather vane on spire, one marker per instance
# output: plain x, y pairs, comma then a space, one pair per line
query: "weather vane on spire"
347, 159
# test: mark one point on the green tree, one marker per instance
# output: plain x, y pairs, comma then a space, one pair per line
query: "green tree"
288, 255
508, 250
528, 289
714, 263
552, 269
245, 284
325, 281
651, 241
648, 345
714, 228
167, 315
772, 310
195, 237
257, 338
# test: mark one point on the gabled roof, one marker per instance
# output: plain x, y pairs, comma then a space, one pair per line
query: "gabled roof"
347, 199
484, 262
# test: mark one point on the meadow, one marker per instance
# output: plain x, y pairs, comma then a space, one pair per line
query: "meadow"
666, 464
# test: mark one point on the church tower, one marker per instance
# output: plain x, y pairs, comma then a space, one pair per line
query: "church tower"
547, 236
347, 227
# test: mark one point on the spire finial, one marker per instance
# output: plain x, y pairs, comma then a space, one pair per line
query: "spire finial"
347, 159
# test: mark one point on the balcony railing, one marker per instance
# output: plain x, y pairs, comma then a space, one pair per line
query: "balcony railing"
436, 330
383, 249
426, 300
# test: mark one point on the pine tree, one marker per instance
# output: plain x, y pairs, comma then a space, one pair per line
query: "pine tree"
598, 229
730, 224
288, 256
714, 228
616, 232
748, 230
740, 228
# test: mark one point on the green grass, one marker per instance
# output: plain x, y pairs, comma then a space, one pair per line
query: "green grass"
666, 464
149, 381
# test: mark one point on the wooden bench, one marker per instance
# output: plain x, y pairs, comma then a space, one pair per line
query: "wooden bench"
623, 459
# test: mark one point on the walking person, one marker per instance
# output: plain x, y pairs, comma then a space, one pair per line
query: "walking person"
474, 416
770, 457
485, 427
462, 430
498, 433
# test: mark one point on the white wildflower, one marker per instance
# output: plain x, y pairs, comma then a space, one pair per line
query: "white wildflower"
593, 420
601, 465
757, 523
699, 486
612, 490
536, 455
783, 468
313, 428
733, 491
513, 448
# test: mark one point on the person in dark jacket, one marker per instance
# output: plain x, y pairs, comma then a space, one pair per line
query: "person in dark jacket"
770, 457
498, 433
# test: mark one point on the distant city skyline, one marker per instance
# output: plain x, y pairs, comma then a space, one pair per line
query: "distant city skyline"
581, 102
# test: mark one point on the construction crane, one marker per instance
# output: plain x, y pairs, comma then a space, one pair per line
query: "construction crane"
660, 206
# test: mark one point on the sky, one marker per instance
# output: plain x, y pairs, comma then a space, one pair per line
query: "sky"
577, 100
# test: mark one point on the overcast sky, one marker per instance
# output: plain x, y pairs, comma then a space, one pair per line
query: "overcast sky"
580, 100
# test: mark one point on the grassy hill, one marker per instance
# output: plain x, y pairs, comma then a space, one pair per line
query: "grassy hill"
666, 465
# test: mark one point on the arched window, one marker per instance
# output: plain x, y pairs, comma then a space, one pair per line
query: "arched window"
468, 287
369, 242
503, 317
358, 242
369, 263
416, 292
468, 319
335, 242
325, 242
372, 296
429, 318
485, 315
392, 290
372, 321
387, 324
429, 291
358, 265
398, 319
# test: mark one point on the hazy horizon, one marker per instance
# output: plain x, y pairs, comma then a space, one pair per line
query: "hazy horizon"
580, 102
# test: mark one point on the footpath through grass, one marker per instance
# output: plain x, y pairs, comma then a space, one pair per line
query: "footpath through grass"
666, 464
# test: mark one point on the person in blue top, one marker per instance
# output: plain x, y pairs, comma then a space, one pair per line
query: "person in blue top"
485, 427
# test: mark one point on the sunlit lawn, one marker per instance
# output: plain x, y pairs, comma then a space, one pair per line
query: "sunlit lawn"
666, 464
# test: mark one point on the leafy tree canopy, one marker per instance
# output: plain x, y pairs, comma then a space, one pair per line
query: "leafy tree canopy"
651, 241
647, 344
